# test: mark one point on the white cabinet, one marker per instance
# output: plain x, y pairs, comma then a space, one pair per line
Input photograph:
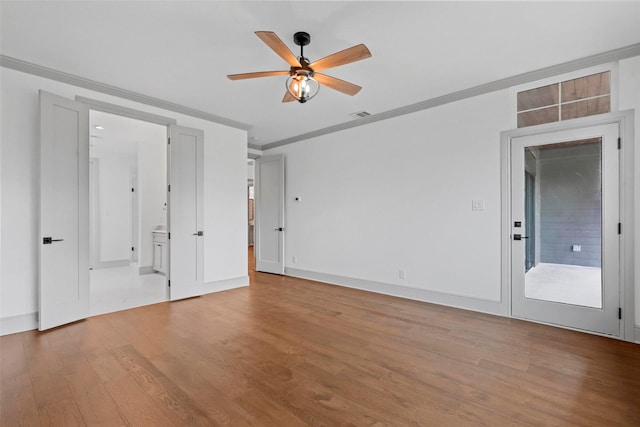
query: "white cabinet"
160, 252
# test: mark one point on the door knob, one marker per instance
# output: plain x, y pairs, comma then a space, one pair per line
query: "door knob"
279, 229
49, 240
199, 233
519, 237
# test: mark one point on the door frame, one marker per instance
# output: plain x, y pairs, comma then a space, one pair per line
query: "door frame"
94, 172
625, 121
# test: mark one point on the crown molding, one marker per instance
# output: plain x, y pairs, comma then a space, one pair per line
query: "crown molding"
531, 76
542, 73
49, 73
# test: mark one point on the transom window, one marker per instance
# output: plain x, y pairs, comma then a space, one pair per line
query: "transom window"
569, 99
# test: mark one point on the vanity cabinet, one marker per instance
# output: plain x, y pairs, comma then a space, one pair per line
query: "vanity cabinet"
160, 252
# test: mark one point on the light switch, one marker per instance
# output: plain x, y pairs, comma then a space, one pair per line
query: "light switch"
477, 205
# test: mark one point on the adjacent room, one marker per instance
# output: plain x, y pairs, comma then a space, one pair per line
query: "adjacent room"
306, 213
127, 212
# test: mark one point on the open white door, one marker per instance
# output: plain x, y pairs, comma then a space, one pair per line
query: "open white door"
269, 202
64, 211
186, 241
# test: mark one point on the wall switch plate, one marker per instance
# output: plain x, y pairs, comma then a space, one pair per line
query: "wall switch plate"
576, 248
477, 205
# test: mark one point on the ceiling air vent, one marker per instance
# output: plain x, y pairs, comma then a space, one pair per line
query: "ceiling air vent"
359, 115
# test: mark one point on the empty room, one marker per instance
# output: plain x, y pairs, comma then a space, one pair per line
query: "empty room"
319, 213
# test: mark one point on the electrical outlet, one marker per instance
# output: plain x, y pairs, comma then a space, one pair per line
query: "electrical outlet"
294, 259
402, 273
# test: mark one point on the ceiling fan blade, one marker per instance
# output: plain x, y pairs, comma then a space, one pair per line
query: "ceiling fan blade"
273, 41
337, 84
256, 75
352, 54
288, 97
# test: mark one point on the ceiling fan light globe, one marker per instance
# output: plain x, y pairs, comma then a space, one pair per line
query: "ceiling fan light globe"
302, 87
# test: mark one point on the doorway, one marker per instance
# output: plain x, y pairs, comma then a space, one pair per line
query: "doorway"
565, 211
64, 282
128, 212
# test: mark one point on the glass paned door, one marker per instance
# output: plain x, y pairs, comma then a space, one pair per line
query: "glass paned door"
565, 204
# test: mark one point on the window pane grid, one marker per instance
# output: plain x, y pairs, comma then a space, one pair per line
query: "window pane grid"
570, 99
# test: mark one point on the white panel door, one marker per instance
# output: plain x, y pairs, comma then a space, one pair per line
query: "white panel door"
565, 246
64, 211
186, 241
269, 223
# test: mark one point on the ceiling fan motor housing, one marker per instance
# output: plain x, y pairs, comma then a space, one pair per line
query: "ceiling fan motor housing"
301, 38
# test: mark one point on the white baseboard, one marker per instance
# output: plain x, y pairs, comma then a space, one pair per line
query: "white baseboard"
457, 301
226, 284
190, 291
19, 323
147, 269
111, 264
637, 334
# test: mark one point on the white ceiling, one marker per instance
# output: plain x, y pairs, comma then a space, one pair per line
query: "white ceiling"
181, 51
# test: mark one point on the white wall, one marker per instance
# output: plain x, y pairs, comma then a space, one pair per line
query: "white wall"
152, 191
251, 169
397, 194
225, 194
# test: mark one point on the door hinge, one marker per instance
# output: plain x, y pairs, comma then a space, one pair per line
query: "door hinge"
132, 189
169, 283
132, 249
620, 313
619, 228
168, 141
619, 143
169, 236
169, 188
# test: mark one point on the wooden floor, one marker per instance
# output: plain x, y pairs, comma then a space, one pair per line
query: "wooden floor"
289, 352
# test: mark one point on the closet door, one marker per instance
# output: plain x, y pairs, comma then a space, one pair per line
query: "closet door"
64, 211
269, 196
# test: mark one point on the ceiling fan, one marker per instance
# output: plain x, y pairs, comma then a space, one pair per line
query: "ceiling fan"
304, 78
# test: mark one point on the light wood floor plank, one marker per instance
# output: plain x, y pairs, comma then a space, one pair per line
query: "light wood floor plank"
61, 413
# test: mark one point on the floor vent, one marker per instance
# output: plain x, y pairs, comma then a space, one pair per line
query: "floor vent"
359, 115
